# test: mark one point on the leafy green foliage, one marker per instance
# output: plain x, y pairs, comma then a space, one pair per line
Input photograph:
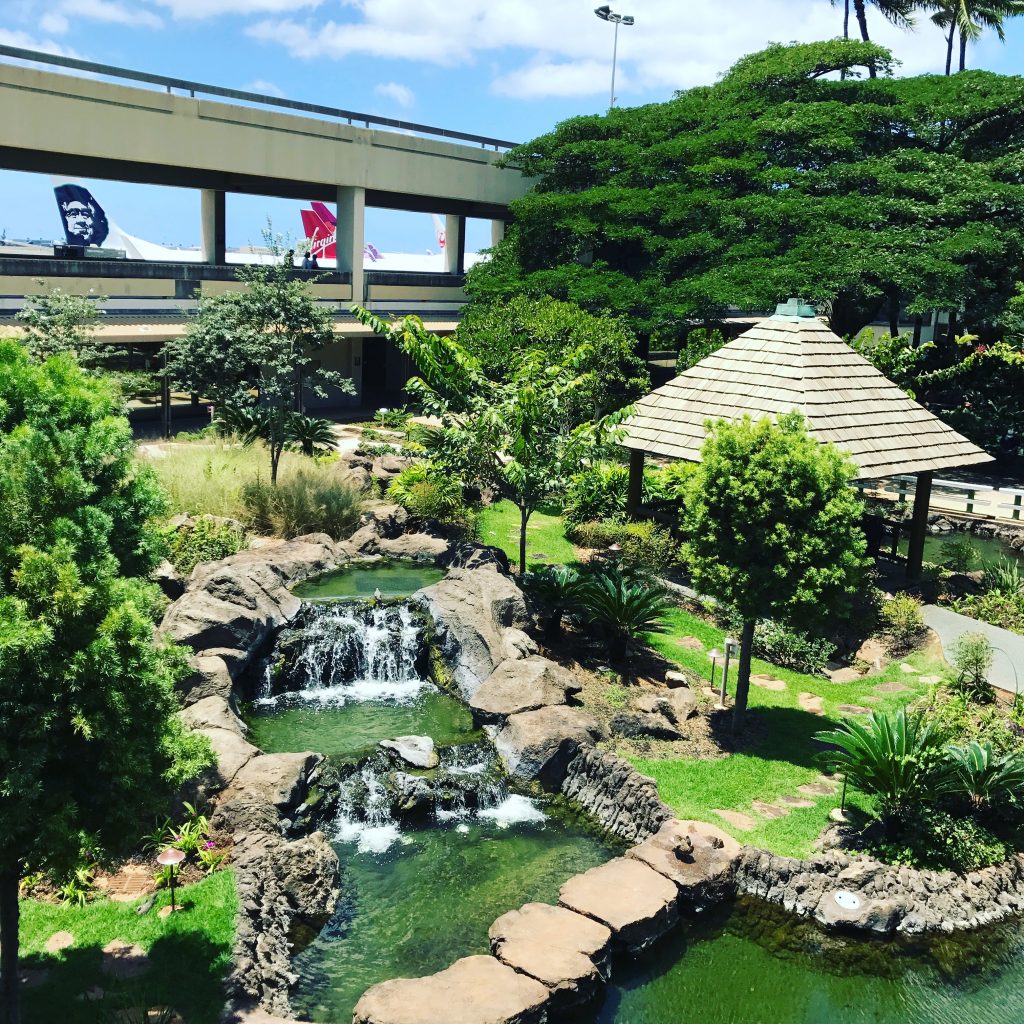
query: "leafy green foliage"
517, 436
972, 660
898, 758
560, 589
310, 435
310, 500
1005, 577
986, 776
699, 344
645, 547
395, 419
772, 528
203, 539
962, 718
58, 322
261, 339
903, 621
782, 178
790, 648
602, 348
932, 838
994, 607
596, 492
624, 608
79, 885
959, 554
428, 493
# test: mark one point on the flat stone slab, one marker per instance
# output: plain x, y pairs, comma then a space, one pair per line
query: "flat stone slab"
931, 679
523, 684
795, 801
474, 990
894, 687
847, 674
768, 683
58, 941
767, 810
816, 789
416, 751
565, 951
691, 643
124, 960
735, 818
636, 902
853, 709
908, 669
811, 702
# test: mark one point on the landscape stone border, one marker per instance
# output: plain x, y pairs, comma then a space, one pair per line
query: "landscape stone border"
231, 609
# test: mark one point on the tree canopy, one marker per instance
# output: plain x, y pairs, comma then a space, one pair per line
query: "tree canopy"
780, 179
90, 740
772, 528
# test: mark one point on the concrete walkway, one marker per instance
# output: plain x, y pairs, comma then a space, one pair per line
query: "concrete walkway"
1008, 663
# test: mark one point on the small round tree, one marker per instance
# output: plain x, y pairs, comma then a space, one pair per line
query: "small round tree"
772, 528
90, 740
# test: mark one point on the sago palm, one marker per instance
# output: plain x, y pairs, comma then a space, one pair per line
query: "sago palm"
898, 758
985, 777
625, 609
559, 589
310, 434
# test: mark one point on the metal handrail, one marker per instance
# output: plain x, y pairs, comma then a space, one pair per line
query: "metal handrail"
108, 70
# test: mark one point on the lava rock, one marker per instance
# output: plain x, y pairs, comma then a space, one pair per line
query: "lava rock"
540, 744
523, 685
417, 751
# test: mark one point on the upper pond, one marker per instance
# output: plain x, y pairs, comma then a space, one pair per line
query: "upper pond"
392, 579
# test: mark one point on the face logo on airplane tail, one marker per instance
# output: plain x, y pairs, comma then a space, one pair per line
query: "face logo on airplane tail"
85, 223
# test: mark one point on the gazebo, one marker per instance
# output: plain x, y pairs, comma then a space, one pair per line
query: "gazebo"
793, 361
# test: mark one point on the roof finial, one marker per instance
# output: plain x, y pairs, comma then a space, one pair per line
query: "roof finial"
795, 308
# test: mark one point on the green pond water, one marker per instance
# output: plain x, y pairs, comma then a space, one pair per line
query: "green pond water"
393, 579
430, 898
754, 965
352, 730
989, 549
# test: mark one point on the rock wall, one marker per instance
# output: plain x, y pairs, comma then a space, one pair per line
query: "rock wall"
616, 794
891, 900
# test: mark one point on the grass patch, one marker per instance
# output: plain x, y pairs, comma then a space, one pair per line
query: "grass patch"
189, 953
545, 535
780, 762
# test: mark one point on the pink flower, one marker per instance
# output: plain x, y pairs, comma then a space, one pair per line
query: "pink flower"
208, 845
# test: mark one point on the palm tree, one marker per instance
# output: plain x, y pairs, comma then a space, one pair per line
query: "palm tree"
846, 16
970, 18
899, 12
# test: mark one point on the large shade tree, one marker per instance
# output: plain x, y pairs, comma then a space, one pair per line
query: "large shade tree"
90, 740
772, 529
865, 196
518, 436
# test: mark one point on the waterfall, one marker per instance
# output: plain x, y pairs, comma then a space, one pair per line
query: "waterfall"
364, 813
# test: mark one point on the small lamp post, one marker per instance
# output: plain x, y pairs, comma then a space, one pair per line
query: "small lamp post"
730, 649
171, 858
713, 655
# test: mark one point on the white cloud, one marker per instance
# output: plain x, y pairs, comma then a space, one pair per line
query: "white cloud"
111, 12
401, 94
263, 86
54, 23
196, 9
557, 48
13, 37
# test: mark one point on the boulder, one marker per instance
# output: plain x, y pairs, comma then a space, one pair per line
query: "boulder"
232, 753
639, 724
416, 751
523, 685
677, 705
169, 580
209, 678
474, 556
278, 779
413, 793
474, 990
212, 713
636, 902
386, 467
880, 916
540, 744
566, 952
479, 617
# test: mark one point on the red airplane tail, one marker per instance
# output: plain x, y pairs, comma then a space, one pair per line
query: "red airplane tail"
320, 230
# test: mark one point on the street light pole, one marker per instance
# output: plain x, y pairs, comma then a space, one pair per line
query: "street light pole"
605, 13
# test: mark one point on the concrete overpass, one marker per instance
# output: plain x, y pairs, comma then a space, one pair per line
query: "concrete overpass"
169, 134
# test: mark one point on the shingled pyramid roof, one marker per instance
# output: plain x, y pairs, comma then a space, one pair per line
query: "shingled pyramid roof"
796, 362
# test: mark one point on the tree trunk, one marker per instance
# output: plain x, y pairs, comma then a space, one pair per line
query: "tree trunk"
963, 51
894, 315
275, 461
949, 48
617, 646
918, 325
862, 21
524, 518
10, 1011
846, 20
739, 713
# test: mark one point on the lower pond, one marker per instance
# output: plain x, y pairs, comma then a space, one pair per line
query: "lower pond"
987, 550
752, 964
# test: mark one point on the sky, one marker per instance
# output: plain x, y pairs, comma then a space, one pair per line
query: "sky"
510, 69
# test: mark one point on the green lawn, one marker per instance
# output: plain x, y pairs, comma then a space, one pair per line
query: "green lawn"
189, 953
545, 537
784, 760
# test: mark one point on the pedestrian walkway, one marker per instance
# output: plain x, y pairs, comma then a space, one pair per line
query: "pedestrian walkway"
1008, 661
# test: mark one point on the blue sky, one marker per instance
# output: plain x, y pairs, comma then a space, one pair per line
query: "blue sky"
506, 68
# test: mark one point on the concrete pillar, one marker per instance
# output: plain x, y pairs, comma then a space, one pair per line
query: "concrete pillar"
454, 244
497, 231
350, 238
213, 226
919, 525
635, 491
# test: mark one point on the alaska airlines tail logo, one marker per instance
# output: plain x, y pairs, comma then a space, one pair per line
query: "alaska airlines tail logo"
85, 223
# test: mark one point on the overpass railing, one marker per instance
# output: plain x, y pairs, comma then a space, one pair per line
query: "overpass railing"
202, 89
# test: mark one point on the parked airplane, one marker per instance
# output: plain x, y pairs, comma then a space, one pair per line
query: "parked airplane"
86, 223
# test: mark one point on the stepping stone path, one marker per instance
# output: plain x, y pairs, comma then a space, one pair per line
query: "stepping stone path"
131, 882
795, 801
691, 643
907, 669
823, 787
58, 941
769, 810
853, 709
894, 687
768, 683
739, 821
931, 679
847, 674
811, 702
124, 960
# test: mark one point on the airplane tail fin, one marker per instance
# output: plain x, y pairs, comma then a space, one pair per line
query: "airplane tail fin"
85, 221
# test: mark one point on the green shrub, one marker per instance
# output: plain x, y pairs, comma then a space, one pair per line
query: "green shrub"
962, 719
986, 776
373, 450
394, 419
959, 554
646, 547
972, 659
426, 493
668, 483
1005, 577
790, 648
559, 589
700, 343
995, 608
310, 500
596, 493
932, 838
204, 539
599, 534
904, 622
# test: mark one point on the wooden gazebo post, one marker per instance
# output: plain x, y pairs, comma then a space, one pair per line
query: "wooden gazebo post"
635, 491
919, 524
